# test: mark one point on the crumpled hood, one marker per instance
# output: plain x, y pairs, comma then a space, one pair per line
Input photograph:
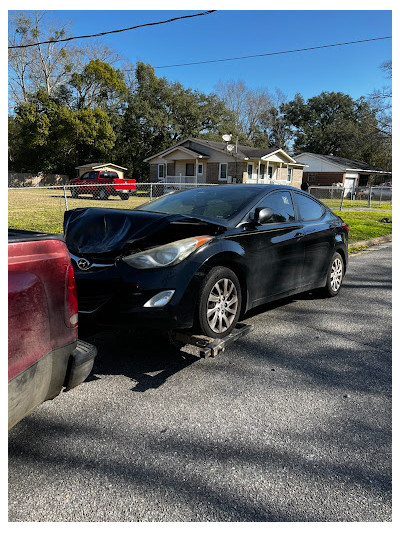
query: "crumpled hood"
93, 230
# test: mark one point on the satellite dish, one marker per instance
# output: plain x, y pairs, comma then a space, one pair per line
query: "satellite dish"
227, 137
230, 147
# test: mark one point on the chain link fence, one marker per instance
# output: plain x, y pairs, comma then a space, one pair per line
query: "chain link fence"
367, 197
42, 208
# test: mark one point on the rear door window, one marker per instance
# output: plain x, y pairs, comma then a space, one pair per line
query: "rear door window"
309, 209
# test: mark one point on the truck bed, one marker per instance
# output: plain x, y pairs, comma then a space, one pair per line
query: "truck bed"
22, 235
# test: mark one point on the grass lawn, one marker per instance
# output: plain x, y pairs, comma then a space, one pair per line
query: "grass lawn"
43, 210
366, 224
354, 204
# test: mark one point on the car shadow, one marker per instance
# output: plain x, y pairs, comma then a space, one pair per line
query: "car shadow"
146, 357
308, 295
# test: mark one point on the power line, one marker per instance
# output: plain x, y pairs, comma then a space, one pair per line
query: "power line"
273, 53
115, 31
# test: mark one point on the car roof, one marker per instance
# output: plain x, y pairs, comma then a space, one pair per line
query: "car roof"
253, 186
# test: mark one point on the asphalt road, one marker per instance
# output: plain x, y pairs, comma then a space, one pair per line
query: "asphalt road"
291, 423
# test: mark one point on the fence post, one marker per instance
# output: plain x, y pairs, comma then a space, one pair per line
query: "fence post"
341, 202
369, 196
65, 198
380, 198
151, 191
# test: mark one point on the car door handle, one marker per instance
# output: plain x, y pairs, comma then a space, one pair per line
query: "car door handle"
298, 235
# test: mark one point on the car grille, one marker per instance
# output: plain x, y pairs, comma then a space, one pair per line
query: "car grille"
95, 263
92, 295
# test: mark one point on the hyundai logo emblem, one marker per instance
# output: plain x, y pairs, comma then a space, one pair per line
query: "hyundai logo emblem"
83, 264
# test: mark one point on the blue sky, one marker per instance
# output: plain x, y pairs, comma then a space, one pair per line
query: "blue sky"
351, 69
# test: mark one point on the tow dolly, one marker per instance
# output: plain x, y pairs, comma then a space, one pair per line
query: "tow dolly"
207, 346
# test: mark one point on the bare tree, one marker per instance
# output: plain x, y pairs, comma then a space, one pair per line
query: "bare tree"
256, 112
47, 66
44, 66
381, 101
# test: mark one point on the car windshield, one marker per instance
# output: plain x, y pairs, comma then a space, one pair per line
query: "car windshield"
213, 202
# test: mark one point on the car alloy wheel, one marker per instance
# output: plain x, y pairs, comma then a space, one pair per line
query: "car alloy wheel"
220, 303
336, 275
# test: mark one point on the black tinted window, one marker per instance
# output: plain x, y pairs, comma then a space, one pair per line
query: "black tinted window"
282, 206
92, 175
213, 202
309, 209
108, 175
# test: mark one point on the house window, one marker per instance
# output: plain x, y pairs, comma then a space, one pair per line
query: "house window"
189, 169
289, 173
161, 171
250, 171
223, 171
200, 169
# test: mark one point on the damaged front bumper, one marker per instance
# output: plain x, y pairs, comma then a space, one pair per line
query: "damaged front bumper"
120, 296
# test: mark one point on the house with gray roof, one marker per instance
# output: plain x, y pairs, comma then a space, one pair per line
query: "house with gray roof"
325, 170
200, 161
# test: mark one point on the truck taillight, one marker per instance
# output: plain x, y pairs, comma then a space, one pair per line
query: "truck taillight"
71, 299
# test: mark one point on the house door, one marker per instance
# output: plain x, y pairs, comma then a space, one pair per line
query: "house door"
349, 187
250, 171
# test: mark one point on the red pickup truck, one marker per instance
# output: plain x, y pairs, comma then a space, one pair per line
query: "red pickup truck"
102, 184
44, 353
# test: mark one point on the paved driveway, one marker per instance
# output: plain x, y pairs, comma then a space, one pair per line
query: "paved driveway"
291, 423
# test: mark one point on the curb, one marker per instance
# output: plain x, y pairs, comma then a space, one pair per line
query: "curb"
371, 242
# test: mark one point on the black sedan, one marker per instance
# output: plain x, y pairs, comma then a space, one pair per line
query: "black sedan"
203, 257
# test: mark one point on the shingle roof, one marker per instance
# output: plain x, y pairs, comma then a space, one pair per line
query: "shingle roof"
94, 165
243, 151
347, 163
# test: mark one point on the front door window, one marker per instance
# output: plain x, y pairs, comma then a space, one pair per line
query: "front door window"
250, 171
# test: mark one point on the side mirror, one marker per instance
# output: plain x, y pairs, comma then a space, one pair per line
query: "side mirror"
262, 215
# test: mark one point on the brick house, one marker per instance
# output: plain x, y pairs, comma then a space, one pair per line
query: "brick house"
325, 170
200, 161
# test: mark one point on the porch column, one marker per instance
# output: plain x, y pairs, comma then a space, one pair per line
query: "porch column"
267, 171
280, 171
258, 172
197, 169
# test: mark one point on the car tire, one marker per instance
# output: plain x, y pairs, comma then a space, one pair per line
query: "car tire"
101, 194
335, 274
124, 196
220, 303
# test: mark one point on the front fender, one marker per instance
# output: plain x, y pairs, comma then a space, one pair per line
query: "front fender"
223, 252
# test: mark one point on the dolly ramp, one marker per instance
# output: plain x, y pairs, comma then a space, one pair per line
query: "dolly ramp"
207, 346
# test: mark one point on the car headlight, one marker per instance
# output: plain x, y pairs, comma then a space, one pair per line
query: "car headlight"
166, 255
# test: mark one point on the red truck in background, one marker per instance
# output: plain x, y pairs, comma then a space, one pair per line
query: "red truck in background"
102, 184
44, 353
